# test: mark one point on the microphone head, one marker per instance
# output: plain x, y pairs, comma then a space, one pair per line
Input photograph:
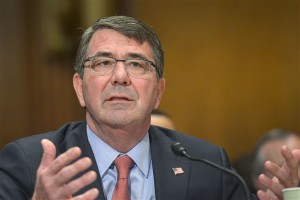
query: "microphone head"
178, 149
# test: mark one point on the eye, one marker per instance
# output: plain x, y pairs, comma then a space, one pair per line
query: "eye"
136, 63
99, 62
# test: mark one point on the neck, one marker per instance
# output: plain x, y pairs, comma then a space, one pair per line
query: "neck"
122, 139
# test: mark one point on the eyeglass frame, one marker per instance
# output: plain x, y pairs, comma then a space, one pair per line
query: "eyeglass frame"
117, 60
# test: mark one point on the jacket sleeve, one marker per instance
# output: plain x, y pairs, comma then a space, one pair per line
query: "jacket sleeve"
16, 178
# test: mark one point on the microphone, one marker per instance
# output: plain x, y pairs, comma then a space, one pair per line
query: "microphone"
179, 150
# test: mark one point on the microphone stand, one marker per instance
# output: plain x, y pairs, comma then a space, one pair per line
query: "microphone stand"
180, 150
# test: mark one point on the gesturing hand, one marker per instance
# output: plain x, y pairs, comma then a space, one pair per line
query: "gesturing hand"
285, 176
54, 175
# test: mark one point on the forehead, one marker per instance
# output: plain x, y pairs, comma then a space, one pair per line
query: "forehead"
108, 40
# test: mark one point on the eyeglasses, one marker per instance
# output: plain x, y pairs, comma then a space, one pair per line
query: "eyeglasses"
105, 65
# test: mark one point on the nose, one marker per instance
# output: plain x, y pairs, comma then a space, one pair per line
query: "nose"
120, 75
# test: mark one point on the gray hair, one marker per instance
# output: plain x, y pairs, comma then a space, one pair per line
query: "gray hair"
128, 27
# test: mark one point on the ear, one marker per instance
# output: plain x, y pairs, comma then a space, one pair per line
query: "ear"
77, 84
161, 89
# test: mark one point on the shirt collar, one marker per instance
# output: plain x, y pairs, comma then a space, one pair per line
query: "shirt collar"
105, 154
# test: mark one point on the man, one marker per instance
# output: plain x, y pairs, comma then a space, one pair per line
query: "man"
119, 81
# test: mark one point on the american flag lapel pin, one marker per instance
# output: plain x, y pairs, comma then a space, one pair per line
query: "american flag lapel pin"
177, 170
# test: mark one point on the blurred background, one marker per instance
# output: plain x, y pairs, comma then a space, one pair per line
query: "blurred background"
232, 66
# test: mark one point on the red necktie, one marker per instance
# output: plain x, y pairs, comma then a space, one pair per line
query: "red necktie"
123, 164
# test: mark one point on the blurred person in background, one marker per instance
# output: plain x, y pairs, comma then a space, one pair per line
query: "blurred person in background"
269, 148
160, 118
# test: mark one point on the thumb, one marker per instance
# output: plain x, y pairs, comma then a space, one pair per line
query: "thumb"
49, 152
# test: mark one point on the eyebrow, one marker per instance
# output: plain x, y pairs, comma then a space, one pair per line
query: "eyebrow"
129, 55
136, 55
103, 53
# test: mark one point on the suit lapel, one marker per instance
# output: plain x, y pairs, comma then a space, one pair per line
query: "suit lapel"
167, 184
78, 137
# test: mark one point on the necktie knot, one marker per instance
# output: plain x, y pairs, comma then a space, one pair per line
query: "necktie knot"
123, 164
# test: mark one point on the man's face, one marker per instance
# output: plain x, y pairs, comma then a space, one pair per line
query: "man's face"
118, 99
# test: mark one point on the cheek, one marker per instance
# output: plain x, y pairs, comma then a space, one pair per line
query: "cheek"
148, 93
92, 90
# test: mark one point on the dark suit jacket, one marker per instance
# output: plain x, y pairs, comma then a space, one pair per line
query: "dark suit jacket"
19, 161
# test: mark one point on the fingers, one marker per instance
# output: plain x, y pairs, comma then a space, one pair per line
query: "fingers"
66, 173
49, 153
268, 195
290, 160
296, 154
79, 183
260, 194
89, 195
281, 175
54, 176
273, 185
284, 176
290, 167
287, 174
64, 159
